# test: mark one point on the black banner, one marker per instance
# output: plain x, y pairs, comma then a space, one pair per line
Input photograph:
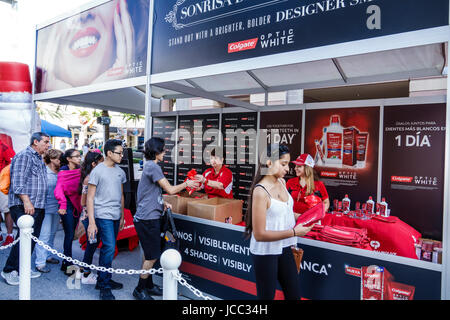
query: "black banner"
164, 128
239, 149
283, 127
413, 165
217, 261
195, 133
193, 33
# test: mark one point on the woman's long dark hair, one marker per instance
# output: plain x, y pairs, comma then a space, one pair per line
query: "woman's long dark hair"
67, 154
282, 150
87, 166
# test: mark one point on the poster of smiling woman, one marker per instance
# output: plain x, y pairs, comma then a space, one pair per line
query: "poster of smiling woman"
105, 43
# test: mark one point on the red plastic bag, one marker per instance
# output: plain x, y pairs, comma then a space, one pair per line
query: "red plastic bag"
312, 200
191, 176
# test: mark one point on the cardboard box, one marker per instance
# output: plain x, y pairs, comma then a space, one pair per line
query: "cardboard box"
179, 201
218, 209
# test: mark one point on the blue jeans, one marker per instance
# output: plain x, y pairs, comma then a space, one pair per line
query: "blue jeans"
48, 232
69, 222
12, 263
90, 248
107, 231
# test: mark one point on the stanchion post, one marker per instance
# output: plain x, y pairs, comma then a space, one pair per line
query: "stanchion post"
25, 224
170, 262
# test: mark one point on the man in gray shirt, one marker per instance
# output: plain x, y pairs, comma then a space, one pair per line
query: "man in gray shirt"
104, 205
150, 202
150, 205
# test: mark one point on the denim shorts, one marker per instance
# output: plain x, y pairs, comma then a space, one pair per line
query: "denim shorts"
149, 233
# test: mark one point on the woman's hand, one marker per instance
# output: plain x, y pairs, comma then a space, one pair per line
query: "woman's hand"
62, 211
192, 183
92, 230
125, 55
301, 231
167, 206
200, 178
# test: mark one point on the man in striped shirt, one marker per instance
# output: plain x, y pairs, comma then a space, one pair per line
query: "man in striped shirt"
27, 195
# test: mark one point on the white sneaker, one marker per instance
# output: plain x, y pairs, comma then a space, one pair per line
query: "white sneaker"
90, 279
35, 274
11, 278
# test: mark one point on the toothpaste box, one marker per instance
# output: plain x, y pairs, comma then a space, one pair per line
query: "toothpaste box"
349, 146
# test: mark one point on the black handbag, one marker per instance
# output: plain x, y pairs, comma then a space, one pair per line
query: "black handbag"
169, 235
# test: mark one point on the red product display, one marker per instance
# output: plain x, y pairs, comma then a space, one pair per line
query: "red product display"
387, 234
341, 235
400, 291
377, 283
350, 146
374, 283
312, 215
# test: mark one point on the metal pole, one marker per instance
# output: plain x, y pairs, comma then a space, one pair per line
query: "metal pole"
170, 262
25, 224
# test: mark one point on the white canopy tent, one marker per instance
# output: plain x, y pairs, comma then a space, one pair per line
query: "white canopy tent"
398, 57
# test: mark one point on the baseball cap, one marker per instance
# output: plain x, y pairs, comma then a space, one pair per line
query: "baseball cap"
304, 159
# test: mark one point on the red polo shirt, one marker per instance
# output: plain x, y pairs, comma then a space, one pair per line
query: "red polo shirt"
298, 193
225, 176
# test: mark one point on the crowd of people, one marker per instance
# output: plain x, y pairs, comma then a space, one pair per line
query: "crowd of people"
55, 186
74, 189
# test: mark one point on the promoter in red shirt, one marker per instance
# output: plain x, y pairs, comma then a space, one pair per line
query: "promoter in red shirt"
305, 184
218, 180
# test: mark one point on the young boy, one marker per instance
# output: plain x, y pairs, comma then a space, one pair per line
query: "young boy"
104, 204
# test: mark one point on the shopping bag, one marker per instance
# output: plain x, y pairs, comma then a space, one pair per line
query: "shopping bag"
169, 235
298, 255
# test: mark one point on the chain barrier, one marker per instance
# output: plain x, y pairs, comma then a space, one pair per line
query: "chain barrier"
195, 291
10, 245
176, 276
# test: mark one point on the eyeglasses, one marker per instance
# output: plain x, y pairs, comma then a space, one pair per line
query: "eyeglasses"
119, 153
78, 156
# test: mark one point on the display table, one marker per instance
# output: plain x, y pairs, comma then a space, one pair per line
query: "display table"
388, 235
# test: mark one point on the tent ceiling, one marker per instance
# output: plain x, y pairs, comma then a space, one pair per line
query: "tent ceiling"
391, 65
129, 100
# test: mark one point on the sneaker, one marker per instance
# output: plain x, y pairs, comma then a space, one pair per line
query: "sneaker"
11, 278
35, 274
155, 291
90, 279
106, 294
113, 284
141, 294
8, 240
43, 269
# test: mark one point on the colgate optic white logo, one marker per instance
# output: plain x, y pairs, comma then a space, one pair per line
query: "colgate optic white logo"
242, 45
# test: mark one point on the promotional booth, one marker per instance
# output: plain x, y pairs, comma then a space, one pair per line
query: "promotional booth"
394, 147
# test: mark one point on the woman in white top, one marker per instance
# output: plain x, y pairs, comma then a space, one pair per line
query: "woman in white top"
270, 222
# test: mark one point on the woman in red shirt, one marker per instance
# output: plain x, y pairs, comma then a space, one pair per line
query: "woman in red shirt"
218, 180
305, 184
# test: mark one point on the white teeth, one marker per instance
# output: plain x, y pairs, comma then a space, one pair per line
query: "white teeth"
84, 42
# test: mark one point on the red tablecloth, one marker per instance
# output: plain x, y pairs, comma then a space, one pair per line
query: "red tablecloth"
392, 236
